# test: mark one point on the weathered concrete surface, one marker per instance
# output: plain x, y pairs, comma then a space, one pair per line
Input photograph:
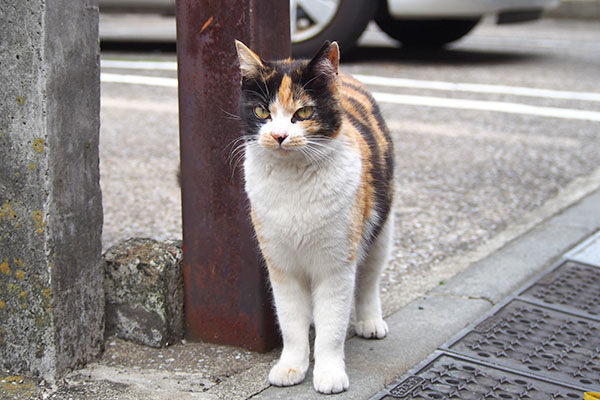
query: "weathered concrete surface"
51, 296
144, 291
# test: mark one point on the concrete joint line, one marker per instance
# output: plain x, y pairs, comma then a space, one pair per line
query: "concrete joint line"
461, 297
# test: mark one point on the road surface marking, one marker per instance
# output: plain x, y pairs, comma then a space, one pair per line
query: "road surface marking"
399, 83
139, 80
481, 105
441, 102
476, 88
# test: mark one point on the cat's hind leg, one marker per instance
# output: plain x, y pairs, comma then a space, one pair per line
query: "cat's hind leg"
293, 305
369, 320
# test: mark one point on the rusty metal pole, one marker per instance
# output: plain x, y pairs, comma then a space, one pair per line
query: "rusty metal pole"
227, 299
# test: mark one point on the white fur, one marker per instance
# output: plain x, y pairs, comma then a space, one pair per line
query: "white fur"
303, 210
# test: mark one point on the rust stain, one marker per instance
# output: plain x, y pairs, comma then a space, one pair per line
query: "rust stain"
206, 24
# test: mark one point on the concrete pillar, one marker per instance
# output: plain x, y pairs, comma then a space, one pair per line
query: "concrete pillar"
51, 296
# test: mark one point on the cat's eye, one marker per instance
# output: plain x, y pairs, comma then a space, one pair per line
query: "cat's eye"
261, 112
303, 113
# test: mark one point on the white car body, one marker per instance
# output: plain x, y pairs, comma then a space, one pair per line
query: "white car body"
461, 8
397, 8
426, 23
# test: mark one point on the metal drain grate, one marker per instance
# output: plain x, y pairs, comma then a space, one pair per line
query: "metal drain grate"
449, 377
572, 287
541, 344
538, 341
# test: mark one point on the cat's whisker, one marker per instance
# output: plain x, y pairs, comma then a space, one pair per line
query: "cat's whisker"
261, 96
233, 144
266, 88
264, 95
236, 164
322, 148
316, 155
234, 161
311, 158
238, 155
230, 115
310, 80
238, 146
320, 145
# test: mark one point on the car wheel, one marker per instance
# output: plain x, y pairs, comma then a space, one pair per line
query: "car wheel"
314, 21
426, 33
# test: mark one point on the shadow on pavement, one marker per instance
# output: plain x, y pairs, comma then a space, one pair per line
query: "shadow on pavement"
138, 47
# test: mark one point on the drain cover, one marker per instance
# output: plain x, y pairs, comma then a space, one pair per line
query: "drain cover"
541, 344
450, 377
538, 341
572, 287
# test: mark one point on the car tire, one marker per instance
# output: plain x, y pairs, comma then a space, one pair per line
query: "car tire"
426, 33
347, 25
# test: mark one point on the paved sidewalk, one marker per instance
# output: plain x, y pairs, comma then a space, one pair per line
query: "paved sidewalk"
425, 325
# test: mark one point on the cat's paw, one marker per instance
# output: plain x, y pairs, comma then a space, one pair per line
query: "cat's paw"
286, 374
372, 328
331, 380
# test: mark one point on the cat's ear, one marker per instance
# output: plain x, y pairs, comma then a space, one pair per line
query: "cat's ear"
327, 60
250, 62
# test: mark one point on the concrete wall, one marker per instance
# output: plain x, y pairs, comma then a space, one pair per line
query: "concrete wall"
51, 296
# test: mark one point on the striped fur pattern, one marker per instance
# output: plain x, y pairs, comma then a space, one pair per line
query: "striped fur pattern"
318, 169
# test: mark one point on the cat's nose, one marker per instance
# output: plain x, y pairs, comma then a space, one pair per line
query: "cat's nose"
280, 137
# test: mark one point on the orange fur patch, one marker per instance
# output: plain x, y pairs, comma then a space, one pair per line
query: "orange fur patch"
351, 88
364, 200
374, 147
285, 91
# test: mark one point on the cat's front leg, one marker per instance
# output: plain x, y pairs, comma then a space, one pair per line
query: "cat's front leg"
293, 305
332, 296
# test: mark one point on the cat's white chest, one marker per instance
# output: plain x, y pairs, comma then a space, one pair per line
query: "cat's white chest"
302, 210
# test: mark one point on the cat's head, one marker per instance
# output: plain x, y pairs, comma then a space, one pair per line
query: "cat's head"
290, 105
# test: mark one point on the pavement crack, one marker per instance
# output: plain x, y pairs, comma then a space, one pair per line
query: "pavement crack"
482, 298
456, 296
258, 393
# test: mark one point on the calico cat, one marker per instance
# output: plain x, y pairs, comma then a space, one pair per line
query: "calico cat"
318, 172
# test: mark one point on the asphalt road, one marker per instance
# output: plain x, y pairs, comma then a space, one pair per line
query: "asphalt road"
486, 132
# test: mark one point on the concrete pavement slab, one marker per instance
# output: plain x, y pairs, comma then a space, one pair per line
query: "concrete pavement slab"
415, 331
